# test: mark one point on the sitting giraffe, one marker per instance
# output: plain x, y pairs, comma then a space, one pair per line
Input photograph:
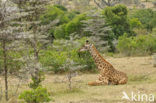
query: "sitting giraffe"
108, 74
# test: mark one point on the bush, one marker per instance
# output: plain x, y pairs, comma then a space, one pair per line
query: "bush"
38, 95
61, 7
15, 64
53, 13
59, 32
146, 17
135, 23
54, 58
72, 14
116, 17
61, 14
75, 26
140, 45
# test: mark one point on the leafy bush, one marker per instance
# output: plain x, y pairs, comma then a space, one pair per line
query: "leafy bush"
61, 14
53, 13
36, 82
1, 61
54, 58
140, 45
154, 31
61, 7
72, 14
146, 16
75, 26
59, 32
38, 95
116, 17
14, 62
135, 23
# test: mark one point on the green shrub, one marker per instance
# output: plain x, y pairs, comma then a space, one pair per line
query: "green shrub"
140, 45
135, 23
85, 58
54, 58
61, 7
36, 82
61, 14
72, 14
1, 61
75, 26
38, 95
146, 16
116, 17
154, 31
53, 13
59, 32
14, 61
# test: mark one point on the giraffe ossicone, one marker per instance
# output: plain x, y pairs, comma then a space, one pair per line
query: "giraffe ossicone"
108, 74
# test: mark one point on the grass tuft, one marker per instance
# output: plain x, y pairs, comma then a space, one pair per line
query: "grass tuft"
138, 78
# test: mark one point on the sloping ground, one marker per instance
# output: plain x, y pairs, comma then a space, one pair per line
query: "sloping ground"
142, 80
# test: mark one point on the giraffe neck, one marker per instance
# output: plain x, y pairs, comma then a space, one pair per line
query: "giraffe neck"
98, 59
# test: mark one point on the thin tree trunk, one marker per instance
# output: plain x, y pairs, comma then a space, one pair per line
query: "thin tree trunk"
5, 69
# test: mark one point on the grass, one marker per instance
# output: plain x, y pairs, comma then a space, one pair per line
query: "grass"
141, 74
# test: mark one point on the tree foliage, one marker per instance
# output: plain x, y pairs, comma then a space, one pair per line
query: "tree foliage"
75, 26
61, 16
10, 40
99, 32
146, 16
140, 45
57, 56
116, 17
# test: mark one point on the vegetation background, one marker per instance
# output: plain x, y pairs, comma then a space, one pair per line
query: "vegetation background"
40, 39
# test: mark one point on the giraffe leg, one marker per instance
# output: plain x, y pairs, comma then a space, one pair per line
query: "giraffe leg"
123, 81
95, 83
101, 81
104, 80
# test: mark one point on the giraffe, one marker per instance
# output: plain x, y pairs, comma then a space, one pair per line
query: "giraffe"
108, 74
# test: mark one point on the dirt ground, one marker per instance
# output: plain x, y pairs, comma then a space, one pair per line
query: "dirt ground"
140, 71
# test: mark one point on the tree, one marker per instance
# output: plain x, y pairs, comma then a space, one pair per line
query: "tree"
75, 26
102, 3
35, 40
57, 14
71, 66
10, 36
116, 18
147, 17
100, 33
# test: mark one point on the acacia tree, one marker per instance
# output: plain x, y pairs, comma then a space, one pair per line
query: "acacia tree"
70, 65
37, 39
99, 31
102, 3
10, 37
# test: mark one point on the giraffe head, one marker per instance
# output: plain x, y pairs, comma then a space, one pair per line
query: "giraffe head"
85, 47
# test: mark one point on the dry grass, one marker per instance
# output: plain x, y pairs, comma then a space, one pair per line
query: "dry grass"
141, 73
